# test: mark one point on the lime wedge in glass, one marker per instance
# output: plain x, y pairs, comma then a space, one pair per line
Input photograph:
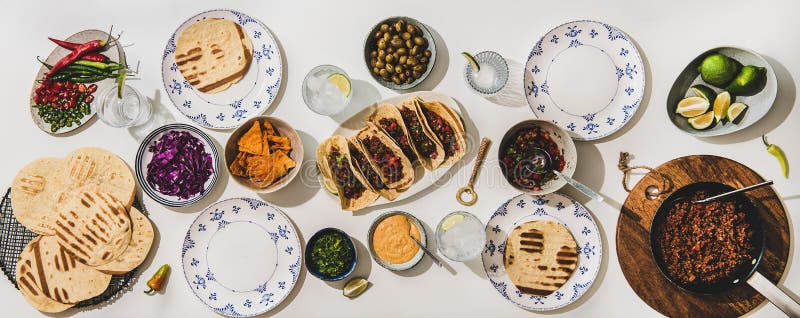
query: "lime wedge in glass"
471, 61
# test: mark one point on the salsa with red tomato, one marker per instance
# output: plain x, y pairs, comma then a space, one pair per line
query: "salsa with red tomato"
394, 130
424, 144
518, 164
366, 169
388, 162
343, 175
443, 131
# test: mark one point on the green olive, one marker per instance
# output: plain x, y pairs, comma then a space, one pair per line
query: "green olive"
407, 73
414, 50
399, 25
409, 44
376, 70
389, 50
380, 64
390, 58
389, 68
382, 43
378, 35
412, 61
427, 53
396, 80
397, 43
409, 80
406, 35
384, 27
417, 74
402, 51
387, 36
398, 69
423, 60
383, 72
419, 68
381, 54
402, 59
402, 76
411, 29
395, 36
420, 41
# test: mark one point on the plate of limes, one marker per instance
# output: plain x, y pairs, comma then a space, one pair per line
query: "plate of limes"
722, 91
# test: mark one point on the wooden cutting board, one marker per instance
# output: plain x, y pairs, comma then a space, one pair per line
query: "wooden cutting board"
633, 238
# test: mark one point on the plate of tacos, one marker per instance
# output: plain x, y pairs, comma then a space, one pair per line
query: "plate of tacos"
392, 149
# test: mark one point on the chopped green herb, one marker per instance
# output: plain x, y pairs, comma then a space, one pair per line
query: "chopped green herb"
331, 254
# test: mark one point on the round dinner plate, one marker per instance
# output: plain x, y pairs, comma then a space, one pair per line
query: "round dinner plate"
241, 257
556, 207
585, 76
144, 156
249, 97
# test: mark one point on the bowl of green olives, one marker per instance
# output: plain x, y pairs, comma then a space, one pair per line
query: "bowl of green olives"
399, 52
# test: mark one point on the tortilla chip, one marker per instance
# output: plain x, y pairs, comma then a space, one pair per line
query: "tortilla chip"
268, 129
238, 167
279, 143
264, 170
252, 141
265, 145
283, 159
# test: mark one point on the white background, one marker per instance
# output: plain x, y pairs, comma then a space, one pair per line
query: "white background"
669, 33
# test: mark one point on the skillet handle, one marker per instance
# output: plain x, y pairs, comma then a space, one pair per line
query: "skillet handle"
775, 295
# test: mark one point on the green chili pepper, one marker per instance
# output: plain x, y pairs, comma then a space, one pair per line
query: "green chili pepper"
777, 152
97, 65
157, 281
121, 77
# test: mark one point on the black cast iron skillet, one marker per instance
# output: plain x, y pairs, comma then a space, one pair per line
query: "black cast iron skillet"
746, 272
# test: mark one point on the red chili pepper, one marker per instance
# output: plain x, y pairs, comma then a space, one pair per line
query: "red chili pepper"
77, 53
94, 57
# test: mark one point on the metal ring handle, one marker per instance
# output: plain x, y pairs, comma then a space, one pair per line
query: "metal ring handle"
467, 190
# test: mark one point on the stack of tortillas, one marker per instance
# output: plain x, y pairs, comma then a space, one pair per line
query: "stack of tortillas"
212, 54
540, 257
81, 208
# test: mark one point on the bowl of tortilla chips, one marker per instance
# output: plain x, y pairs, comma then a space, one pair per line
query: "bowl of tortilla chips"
264, 154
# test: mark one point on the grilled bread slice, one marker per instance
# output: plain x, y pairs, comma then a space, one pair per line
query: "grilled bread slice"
34, 195
94, 227
213, 54
98, 170
540, 257
52, 280
138, 248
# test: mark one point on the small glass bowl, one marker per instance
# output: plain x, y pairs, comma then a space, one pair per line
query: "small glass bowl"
501, 73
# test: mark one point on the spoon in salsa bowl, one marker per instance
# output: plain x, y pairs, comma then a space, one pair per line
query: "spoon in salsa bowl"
541, 162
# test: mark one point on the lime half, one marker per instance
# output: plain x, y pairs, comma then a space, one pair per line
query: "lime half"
703, 91
721, 104
342, 82
471, 61
750, 81
355, 287
704, 121
736, 112
692, 106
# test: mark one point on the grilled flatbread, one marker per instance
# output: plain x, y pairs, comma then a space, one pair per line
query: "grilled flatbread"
213, 54
34, 195
333, 155
447, 127
98, 170
138, 248
51, 280
94, 227
540, 257
386, 157
428, 149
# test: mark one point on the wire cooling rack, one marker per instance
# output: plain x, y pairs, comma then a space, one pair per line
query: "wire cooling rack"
14, 237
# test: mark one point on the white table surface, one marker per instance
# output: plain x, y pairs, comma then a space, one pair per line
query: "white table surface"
669, 33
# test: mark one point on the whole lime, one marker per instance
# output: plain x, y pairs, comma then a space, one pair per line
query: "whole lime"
718, 69
750, 81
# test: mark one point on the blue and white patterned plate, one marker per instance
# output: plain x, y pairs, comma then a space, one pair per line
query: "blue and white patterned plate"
609, 110
223, 258
144, 157
555, 206
250, 97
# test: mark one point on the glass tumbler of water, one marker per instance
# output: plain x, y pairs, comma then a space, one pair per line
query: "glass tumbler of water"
460, 236
326, 90
132, 109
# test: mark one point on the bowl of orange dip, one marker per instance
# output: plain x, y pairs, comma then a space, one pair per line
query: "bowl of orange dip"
390, 244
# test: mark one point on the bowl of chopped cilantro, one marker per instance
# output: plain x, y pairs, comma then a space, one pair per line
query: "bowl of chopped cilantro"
330, 254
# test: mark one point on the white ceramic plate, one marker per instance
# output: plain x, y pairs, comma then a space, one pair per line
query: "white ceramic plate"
249, 97
585, 76
241, 257
115, 54
144, 156
554, 206
423, 178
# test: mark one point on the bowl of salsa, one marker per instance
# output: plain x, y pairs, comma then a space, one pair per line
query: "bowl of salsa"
531, 150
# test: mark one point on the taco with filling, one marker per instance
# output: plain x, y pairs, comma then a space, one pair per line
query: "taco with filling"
446, 126
388, 119
335, 165
392, 165
368, 172
428, 149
